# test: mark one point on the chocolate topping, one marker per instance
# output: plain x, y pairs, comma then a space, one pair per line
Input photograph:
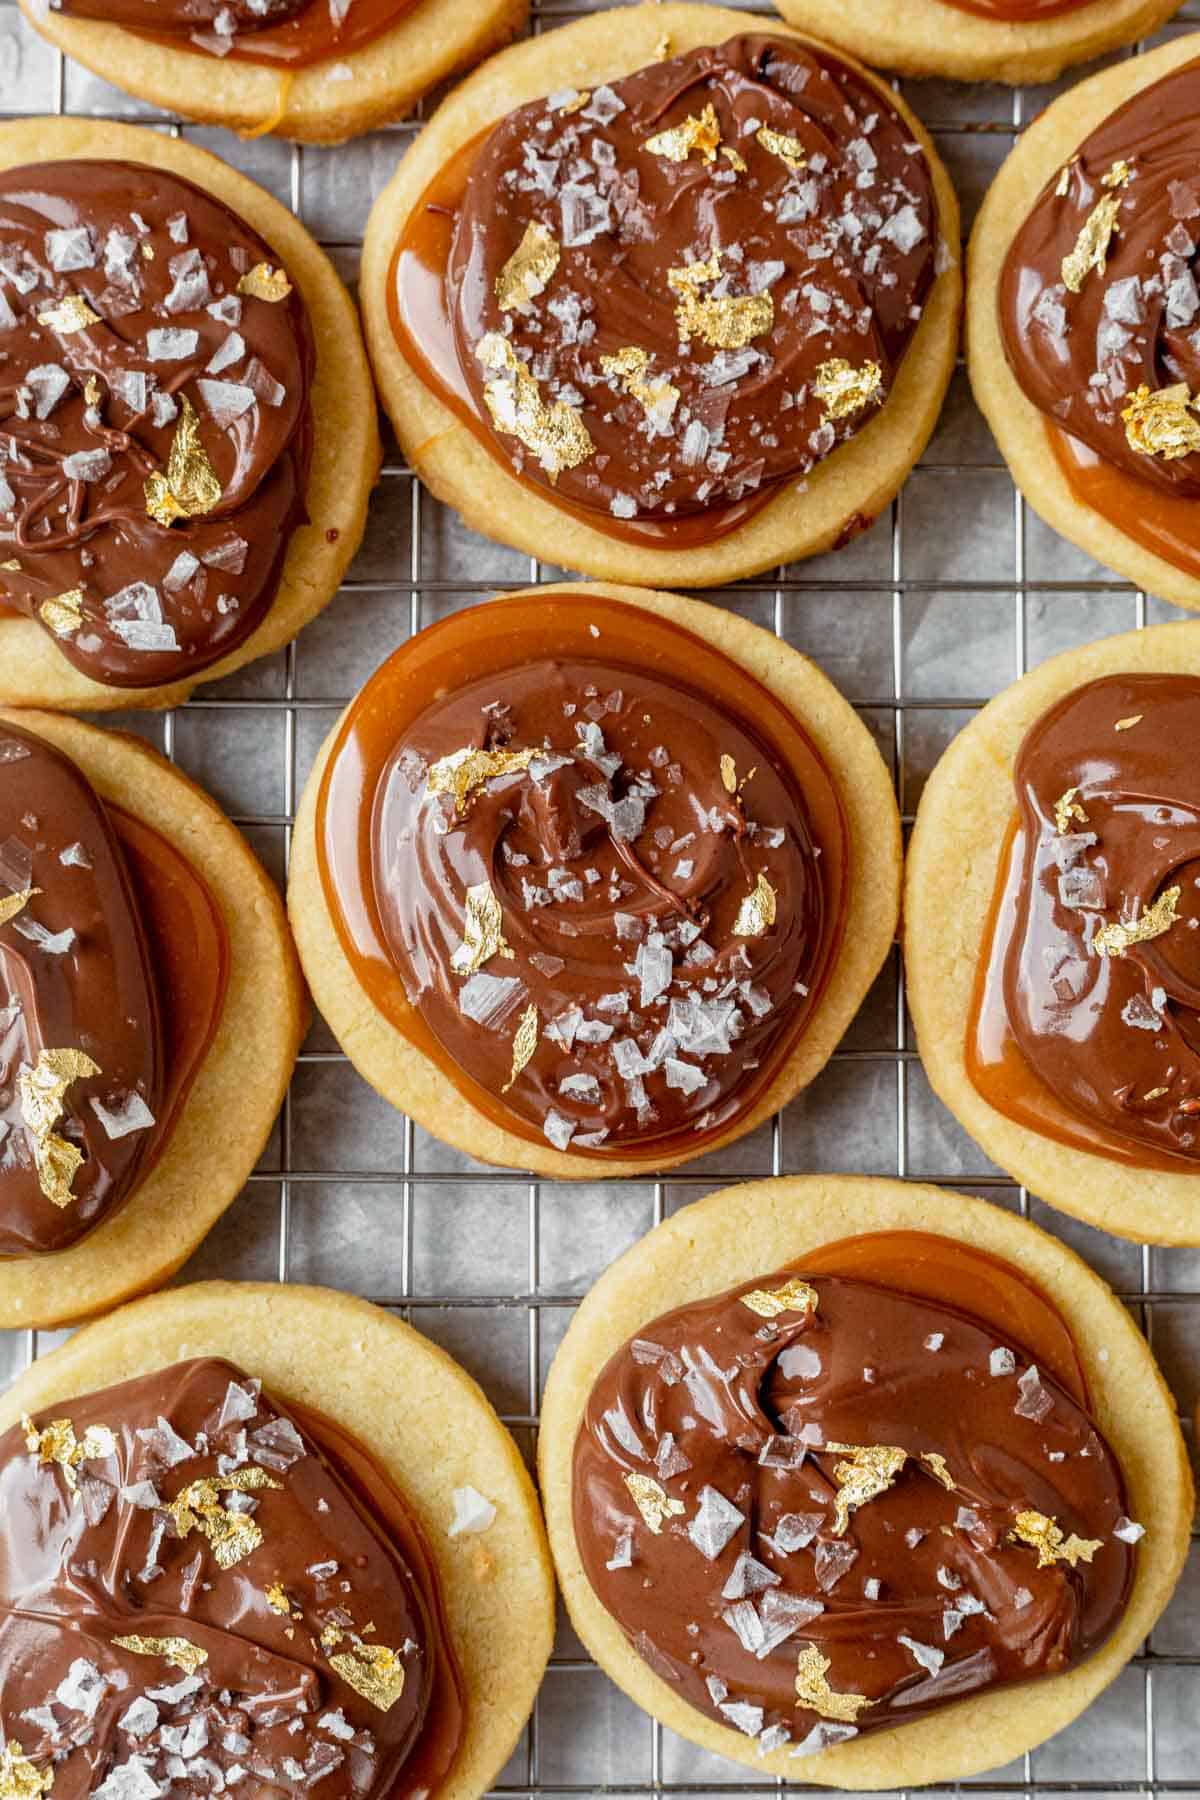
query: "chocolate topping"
1094, 960
819, 1509
287, 34
671, 295
597, 879
156, 433
1098, 300
189, 1589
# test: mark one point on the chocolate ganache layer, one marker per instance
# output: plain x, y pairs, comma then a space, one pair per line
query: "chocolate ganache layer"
196, 1596
288, 34
820, 1505
607, 878
660, 300
1086, 1022
155, 429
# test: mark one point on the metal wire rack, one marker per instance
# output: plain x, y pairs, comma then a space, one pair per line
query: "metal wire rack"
947, 599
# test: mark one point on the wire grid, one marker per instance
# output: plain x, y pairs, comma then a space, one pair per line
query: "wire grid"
947, 599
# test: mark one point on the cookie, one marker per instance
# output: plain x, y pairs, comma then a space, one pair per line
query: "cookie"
1085, 374
145, 1071
1014, 41
777, 1266
291, 71
581, 322
587, 882
1058, 1035
433, 1647
194, 399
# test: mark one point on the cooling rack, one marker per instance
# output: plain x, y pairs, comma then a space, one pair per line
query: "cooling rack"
952, 594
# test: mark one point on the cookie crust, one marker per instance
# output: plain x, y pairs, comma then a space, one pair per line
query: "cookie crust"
388, 75
350, 1360
932, 37
955, 849
346, 450
806, 517
416, 1085
1017, 425
736, 1234
231, 1108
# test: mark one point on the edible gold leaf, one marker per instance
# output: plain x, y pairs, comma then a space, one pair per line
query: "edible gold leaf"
576, 104
331, 1637
735, 161
1091, 246
19, 1778
179, 1652
69, 315
658, 399
1118, 176
728, 774
813, 1689
263, 282
1129, 723
525, 1042
936, 1464
794, 1296
43, 1091
1066, 809
529, 269
93, 393
64, 612
57, 1443
1114, 939
190, 486
12, 565
277, 1599
1045, 1535
1156, 1093
726, 323
756, 914
868, 1471
788, 149
702, 135
1161, 421
12, 904
463, 771
231, 1536
373, 1671
483, 931
556, 434
843, 390
1063, 185
653, 1501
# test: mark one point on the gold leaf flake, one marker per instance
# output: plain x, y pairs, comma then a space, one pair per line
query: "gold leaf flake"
842, 389
868, 1471
1128, 724
676, 144
1161, 422
1063, 187
179, 1652
794, 1296
64, 612
12, 565
756, 914
529, 269
1066, 809
1091, 246
1114, 939
263, 282
575, 105
658, 399
277, 1599
483, 931
556, 434
1119, 175
1045, 1535
190, 486
1156, 1093
936, 1464
12, 904
43, 1090
813, 1689
373, 1671
788, 149
736, 161
525, 1042
57, 1443
93, 393
19, 1778
463, 771
69, 315
653, 1501
331, 1637
729, 774
231, 1536
727, 323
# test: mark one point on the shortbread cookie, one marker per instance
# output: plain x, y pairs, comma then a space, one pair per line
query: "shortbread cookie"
690, 316
153, 1010
300, 68
316, 1559
1050, 932
587, 882
185, 474
1082, 312
860, 1482
980, 40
